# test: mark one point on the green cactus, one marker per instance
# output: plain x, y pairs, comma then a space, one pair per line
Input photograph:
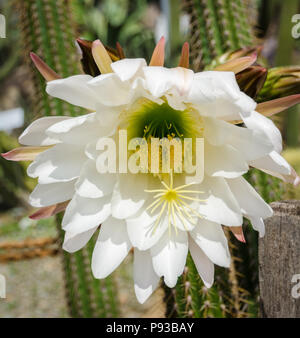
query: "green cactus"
47, 29
217, 27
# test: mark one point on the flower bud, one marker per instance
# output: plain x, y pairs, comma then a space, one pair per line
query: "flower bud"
281, 82
251, 80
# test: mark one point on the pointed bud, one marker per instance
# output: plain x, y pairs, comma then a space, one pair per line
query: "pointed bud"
43, 68
120, 51
276, 106
238, 233
251, 80
89, 65
184, 61
101, 57
24, 153
158, 56
47, 212
233, 55
281, 81
245, 51
237, 65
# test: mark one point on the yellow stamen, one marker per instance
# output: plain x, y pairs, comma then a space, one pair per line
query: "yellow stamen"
172, 200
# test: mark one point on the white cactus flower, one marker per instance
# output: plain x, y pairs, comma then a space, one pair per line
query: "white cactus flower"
161, 216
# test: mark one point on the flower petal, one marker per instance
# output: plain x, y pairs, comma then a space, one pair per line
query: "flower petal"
129, 195
111, 248
275, 165
23, 153
60, 163
224, 161
212, 240
75, 242
48, 194
143, 231
92, 184
249, 200
49, 211
217, 196
126, 69
74, 89
237, 65
83, 214
252, 144
169, 256
79, 130
35, 135
258, 225
256, 121
203, 264
217, 94
145, 279
160, 80
110, 90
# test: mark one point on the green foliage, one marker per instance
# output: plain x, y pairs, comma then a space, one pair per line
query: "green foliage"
12, 175
116, 20
48, 31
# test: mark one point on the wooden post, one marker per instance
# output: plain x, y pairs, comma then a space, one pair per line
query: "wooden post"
279, 262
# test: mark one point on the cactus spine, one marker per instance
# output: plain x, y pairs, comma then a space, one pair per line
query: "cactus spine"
216, 27
47, 29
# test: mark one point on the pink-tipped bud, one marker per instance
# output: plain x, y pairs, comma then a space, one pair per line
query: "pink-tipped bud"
184, 61
48, 73
158, 56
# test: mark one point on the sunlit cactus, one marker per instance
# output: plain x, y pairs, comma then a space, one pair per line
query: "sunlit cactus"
47, 30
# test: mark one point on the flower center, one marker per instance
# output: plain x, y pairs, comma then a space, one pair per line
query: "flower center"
174, 203
147, 119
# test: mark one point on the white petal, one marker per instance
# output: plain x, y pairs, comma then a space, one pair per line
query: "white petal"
145, 279
111, 248
249, 200
169, 256
110, 90
129, 195
83, 214
217, 94
48, 194
256, 121
209, 86
92, 184
273, 164
159, 80
143, 231
224, 161
252, 144
258, 225
203, 264
126, 69
35, 133
79, 130
212, 240
74, 90
75, 242
219, 205
60, 163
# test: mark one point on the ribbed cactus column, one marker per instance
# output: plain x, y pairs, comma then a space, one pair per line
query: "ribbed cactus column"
216, 27
47, 30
